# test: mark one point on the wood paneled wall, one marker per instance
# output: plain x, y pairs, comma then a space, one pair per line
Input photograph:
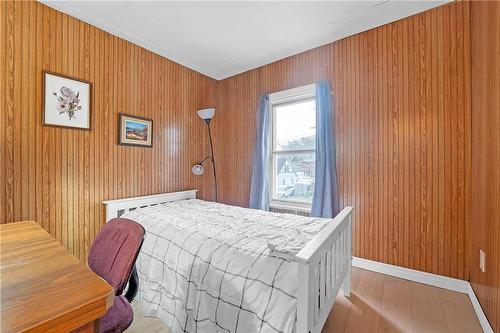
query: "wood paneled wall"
485, 219
59, 177
402, 108
402, 101
402, 95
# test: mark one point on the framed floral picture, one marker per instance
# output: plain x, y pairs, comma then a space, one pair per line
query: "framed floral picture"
66, 101
135, 131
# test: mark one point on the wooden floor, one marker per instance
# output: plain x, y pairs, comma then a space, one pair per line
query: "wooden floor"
380, 303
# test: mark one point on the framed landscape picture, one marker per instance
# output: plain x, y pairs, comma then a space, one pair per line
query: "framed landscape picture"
135, 131
66, 101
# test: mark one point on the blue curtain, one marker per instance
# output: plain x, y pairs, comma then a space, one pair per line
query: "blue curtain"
325, 201
259, 187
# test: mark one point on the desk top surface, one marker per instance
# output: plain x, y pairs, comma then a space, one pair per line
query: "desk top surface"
42, 286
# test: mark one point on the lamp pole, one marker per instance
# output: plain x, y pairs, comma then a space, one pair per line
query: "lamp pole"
212, 158
206, 115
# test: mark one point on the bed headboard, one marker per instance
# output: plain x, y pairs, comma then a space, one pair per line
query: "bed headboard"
116, 208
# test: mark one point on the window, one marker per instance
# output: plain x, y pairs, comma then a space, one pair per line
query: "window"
293, 126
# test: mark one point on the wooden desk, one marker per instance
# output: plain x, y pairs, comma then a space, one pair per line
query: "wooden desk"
45, 289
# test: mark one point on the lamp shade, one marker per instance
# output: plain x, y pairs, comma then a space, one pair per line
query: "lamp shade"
197, 169
206, 113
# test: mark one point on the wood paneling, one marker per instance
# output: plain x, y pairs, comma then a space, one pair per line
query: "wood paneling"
485, 221
59, 177
402, 108
402, 100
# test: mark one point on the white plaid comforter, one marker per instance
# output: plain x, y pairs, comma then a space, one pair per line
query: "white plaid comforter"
206, 267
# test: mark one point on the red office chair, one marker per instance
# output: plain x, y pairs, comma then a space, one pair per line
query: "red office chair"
112, 256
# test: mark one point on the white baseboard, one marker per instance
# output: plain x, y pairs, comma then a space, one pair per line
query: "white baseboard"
440, 281
444, 282
479, 311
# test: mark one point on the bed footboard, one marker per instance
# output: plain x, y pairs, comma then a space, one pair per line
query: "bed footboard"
324, 266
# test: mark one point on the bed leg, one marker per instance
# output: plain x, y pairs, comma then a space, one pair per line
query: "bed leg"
346, 285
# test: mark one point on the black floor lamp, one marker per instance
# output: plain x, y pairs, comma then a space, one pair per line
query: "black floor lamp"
207, 115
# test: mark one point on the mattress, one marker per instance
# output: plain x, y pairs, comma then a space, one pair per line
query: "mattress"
209, 267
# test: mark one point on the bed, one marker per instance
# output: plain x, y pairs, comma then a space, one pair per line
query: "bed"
209, 267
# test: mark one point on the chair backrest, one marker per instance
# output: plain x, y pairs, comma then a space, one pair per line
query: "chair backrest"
114, 251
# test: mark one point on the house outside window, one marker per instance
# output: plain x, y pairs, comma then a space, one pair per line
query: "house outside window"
293, 127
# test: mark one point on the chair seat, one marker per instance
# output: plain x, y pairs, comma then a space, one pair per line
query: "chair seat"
119, 316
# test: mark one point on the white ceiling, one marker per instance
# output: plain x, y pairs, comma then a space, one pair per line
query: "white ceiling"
221, 39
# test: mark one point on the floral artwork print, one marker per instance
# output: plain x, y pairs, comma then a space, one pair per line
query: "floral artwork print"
68, 102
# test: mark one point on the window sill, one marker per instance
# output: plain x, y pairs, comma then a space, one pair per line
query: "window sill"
291, 206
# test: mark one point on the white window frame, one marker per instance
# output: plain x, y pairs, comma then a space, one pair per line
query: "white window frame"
275, 99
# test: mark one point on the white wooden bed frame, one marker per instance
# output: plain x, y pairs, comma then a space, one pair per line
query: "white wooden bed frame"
324, 264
